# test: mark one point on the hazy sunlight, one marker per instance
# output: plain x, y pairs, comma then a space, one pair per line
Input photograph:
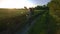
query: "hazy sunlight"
15, 3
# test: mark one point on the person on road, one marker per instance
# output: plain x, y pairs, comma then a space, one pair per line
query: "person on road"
30, 13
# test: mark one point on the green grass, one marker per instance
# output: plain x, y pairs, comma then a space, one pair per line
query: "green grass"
37, 11
9, 18
41, 26
8, 13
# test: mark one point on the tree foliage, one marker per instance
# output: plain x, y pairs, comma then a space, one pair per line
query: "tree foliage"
44, 7
54, 6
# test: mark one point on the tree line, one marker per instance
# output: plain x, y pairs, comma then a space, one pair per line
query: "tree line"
44, 7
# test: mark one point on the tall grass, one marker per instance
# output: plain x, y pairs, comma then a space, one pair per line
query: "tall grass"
11, 19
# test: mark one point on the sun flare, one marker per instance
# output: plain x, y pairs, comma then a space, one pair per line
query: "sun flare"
15, 4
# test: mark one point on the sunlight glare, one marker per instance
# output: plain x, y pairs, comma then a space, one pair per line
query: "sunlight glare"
15, 4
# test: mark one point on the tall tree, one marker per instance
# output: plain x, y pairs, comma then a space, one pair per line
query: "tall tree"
44, 7
54, 6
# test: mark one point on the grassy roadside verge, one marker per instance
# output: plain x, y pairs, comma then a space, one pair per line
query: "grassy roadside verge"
11, 23
33, 17
42, 25
38, 26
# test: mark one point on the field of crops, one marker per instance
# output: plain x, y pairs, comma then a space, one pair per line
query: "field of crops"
6, 13
12, 18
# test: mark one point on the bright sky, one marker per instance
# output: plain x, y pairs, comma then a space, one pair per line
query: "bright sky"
21, 3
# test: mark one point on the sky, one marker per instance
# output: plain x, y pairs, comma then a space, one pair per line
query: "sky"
21, 3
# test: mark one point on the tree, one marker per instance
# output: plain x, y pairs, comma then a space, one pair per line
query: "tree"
54, 6
44, 7
38, 7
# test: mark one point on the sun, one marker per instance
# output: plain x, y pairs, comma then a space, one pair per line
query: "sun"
15, 4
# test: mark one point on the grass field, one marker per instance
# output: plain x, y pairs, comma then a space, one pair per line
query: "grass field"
43, 24
9, 18
6, 13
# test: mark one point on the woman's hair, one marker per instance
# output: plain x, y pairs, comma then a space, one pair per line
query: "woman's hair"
30, 9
